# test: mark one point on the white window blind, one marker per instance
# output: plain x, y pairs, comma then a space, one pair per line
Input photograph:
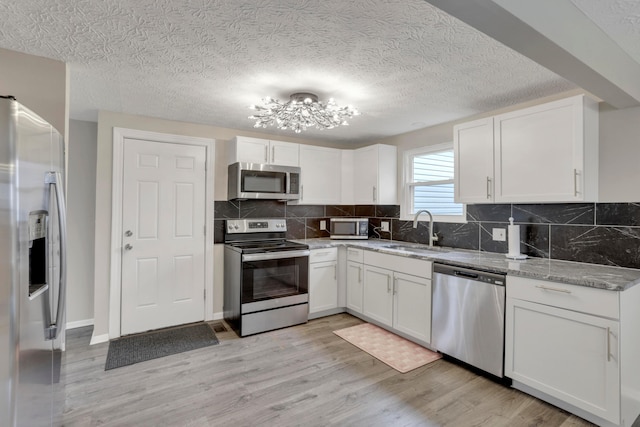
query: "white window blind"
430, 182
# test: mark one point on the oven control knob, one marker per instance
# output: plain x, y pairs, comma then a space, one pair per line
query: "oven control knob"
236, 227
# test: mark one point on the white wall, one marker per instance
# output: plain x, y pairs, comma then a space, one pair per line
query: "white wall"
106, 122
81, 202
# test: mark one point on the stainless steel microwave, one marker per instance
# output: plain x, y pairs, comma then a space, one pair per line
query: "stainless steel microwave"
262, 181
349, 228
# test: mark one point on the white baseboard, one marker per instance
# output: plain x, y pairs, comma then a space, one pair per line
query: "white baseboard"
218, 316
98, 339
79, 323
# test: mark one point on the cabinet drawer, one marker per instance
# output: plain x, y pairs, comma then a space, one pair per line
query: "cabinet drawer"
412, 266
354, 254
598, 302
322, 255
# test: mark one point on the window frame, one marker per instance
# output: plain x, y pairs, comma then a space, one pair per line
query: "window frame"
408, 184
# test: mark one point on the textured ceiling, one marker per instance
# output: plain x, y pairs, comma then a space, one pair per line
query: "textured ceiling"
403, 63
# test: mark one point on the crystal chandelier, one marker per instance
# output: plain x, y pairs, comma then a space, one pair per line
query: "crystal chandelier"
303, 110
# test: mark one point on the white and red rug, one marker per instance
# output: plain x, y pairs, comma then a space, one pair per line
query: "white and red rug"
397, 352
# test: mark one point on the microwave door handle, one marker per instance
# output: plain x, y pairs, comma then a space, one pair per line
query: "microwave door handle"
287, 185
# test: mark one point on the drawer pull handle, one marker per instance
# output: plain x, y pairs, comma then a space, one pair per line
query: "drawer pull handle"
547, 288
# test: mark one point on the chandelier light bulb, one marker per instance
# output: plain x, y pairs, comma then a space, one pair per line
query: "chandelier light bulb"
303, 110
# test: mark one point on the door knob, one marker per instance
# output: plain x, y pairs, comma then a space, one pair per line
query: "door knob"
128, 247
128, 233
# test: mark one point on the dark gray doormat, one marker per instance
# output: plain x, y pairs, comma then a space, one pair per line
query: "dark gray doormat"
152, 345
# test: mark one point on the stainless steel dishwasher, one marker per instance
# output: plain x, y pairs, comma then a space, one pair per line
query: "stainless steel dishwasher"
468, 316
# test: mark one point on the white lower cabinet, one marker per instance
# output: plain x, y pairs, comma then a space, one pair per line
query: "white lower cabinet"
412, 306
558, 342
355, 281
323, 280
396, 299
378, 296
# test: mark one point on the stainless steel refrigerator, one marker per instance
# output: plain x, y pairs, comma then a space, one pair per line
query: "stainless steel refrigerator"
32, 268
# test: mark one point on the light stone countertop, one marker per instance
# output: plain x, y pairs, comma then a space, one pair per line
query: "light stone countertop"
574, 273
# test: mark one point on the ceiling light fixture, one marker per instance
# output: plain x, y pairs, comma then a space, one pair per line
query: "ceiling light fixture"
302, 111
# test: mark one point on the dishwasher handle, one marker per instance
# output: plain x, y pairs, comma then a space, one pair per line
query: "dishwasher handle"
466, 274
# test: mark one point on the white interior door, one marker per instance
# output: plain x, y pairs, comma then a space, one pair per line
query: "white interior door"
163, 241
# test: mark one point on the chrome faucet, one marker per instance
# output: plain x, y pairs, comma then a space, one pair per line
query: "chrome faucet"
432, 237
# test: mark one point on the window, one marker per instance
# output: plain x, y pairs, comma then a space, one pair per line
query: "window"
429, 183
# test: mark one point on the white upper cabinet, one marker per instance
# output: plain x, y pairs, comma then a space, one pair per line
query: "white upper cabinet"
320, 175
375, 175
473, 161
546, 153
256, 150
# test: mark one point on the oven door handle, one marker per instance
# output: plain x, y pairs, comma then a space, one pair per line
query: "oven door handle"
274, 255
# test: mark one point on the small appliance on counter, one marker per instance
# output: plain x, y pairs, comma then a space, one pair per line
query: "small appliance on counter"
349, 228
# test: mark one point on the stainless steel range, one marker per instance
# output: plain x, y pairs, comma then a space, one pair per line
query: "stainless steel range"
265, 276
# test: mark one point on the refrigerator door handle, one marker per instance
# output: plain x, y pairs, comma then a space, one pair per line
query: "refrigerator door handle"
53, 179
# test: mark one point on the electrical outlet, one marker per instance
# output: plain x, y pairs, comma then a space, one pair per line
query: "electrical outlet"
499, 234
384, 226
323, 224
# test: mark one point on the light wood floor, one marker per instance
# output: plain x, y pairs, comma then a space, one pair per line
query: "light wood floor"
299, 376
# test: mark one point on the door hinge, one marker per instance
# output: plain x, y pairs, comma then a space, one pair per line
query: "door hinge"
205, 294
204, 230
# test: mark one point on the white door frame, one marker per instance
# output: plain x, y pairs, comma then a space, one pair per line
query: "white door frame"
115, 280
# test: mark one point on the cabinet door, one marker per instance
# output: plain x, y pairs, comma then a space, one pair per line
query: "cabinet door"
378, 297
568, 355
375, 175
355, 277
249, 150
321, 171
539, 153
284, 153
473, 161
365, 175
412, 306
323, 286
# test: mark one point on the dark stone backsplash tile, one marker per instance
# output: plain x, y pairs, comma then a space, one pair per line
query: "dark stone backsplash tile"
262, 209
387, 211
305, 211
296, 228
562, 231
487, 244
627, 214
618, 246
312, 228
218, 230
534, 240
224, 209
557, 213
456, 235
375, 223
403, 230
490, 212
340, 210
365, 211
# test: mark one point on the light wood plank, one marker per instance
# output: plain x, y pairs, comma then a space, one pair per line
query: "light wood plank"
303, 375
